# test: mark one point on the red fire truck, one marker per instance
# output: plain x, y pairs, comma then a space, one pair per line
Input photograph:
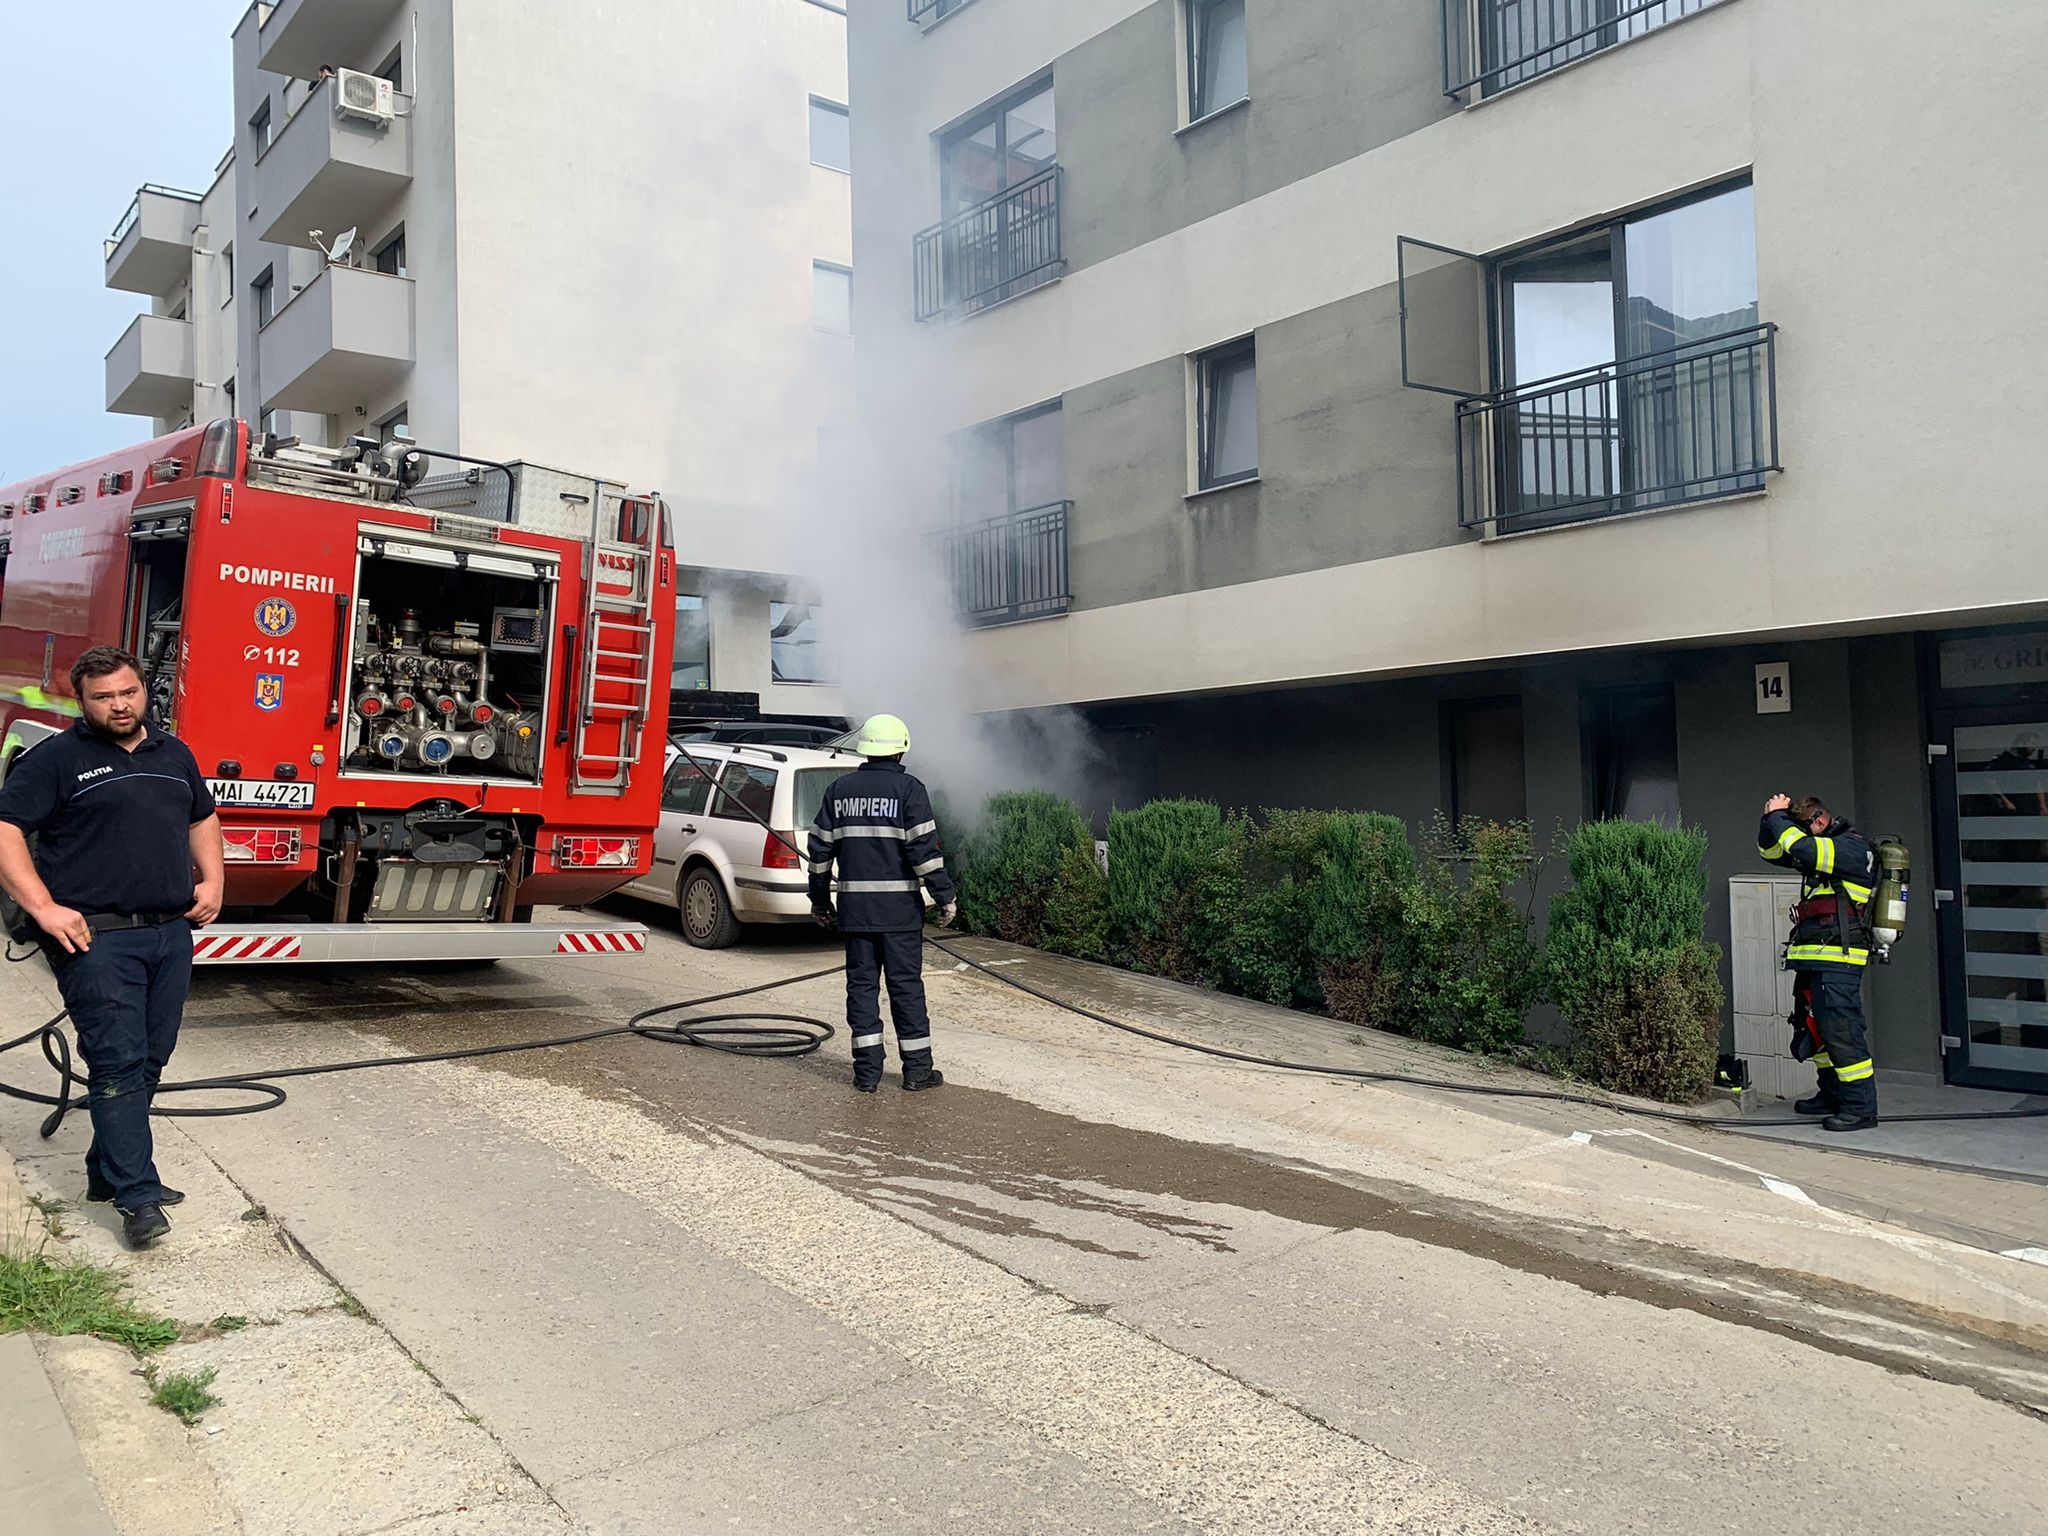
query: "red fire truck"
422, 688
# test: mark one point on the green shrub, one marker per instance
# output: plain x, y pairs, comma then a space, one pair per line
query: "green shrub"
1157, 855
1467, 969
1353, 905
1009, 866
1077, 907
1233, 933
1627, 964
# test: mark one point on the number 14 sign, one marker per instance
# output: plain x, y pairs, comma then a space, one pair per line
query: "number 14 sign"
1774, 688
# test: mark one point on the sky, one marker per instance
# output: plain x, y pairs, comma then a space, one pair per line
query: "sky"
123, 92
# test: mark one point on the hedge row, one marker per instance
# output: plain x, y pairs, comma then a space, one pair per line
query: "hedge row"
1336, 911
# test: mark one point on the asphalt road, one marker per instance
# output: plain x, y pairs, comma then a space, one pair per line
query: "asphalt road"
685, 1292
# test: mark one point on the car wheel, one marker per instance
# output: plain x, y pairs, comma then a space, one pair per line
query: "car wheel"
707, 915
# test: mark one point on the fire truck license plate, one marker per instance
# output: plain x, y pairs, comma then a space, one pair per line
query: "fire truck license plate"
266, 792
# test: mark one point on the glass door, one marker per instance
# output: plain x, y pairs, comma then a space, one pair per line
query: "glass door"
1992, 905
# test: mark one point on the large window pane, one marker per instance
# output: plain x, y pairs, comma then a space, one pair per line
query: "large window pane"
690, 666
1632, 750
1221, 74
1692, 273
1029, 141
831, 136
795, 651
1038, 460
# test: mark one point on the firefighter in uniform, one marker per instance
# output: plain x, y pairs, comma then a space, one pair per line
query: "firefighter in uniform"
877, 824
1829, 951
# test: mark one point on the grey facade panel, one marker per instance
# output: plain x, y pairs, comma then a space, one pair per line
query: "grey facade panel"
1330, 80
1352, 466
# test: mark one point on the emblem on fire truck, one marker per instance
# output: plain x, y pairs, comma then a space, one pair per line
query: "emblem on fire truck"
269, 690
276, 616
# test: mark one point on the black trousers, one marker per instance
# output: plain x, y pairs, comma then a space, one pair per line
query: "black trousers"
126, 995
1832, 1003
898, 957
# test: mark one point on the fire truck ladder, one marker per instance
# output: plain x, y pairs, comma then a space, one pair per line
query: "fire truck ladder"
618, 644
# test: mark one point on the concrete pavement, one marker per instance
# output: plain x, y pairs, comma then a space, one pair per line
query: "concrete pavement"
1091, 1284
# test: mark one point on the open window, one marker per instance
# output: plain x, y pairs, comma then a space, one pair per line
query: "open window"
1619, 368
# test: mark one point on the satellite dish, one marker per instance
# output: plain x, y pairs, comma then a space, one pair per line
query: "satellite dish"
344, 244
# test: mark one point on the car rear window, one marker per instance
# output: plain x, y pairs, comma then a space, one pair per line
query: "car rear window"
746, 793
811, 784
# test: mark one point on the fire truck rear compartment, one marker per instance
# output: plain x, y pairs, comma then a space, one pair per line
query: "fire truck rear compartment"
448, 672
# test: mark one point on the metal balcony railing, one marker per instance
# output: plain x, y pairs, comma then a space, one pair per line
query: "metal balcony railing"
1490, 45
134, 213
994, 251
1689, 424
1010, 568
936, 9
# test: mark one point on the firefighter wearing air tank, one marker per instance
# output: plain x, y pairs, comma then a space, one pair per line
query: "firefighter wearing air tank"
876, 823
1831, 945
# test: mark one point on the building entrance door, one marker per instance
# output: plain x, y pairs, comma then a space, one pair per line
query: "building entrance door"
1991, 896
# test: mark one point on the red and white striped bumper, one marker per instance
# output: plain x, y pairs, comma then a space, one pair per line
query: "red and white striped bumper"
603, 941
346, 943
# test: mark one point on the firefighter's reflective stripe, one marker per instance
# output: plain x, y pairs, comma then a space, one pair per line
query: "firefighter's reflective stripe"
1856, 1071
867, 830
1824, 855
875, 887
862, 1042
929, 866
911, 1045
1833, 954
1822, 1060
1783, 845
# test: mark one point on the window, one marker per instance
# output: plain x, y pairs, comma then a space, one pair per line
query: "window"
1012, 465
831, 135
389, 258
746, 792
1638, 336
832, 298
1228, 414
1008, 144
394, 69
259, 130
267, 422
795, 654
811, 784
1632, 753
392, 425
690, 665
1218, 70
686, 791
1483, 740
264, 293
227, 267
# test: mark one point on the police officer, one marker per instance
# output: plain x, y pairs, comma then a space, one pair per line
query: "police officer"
877, 824
1829, 952
127, 863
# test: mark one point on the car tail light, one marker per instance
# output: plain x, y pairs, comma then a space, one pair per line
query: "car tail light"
778, 854
260, 845
597, 852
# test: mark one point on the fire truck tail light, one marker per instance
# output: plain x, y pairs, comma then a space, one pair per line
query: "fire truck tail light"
260, 845
597, 852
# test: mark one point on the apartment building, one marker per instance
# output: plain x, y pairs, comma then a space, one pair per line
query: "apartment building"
615, 241
1543, 409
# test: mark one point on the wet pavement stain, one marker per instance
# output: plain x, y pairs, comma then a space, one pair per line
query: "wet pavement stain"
804, 1113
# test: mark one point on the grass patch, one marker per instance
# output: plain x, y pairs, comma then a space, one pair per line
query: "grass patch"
349, 1305
230, 1322
68, 1296
188, 1394
52, 1210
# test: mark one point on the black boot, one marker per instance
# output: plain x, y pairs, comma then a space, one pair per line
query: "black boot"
1858, 1110
143, 1225
1826, 1099
1850, 1120
97, 1193
932, 1077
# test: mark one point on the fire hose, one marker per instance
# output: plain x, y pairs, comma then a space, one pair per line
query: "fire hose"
749, 1033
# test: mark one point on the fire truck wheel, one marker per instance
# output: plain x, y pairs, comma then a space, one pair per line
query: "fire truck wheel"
708, 920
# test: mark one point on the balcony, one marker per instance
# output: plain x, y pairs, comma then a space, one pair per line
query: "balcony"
1490, 45
1011, 568
329, 171
150, 369
301, 35
344, 338
992, 252
151, 248
925, 12
1691, 424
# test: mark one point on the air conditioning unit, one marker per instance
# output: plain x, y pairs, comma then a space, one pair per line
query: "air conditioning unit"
359, 95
